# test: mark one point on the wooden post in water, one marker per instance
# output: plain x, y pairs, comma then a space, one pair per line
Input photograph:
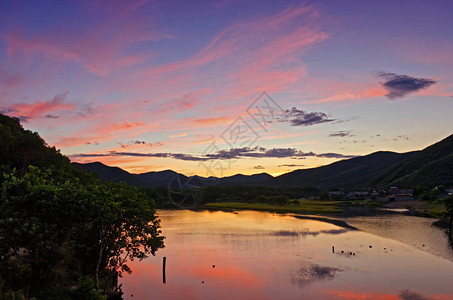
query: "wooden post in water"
451, 225
163, 269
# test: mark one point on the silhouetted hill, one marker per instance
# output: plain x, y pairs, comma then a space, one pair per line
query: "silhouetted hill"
240, 179
113, 174
167, 177
20, 148
160, 178
430, 167
348, 173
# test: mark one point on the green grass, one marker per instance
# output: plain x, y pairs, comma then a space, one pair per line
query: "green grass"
436, 210
305, 206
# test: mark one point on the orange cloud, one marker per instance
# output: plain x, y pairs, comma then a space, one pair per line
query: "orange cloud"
212, 121
173, 136
343, 96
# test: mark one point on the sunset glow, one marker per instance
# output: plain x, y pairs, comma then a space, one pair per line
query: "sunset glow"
156, 85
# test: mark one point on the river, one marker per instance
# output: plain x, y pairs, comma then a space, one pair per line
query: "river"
259, 255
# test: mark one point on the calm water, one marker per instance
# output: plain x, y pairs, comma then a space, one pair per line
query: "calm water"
260, 255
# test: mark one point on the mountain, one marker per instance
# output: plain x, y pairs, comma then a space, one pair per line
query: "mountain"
240, 179
169, 177
348, 173
20, 148
430, 167
161, 178
113, 174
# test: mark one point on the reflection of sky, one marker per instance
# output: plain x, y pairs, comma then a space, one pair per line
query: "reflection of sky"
254, 260
138, 77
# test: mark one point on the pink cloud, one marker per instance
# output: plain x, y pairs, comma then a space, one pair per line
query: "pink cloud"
41, 108
101, 49
8, 80
352, 295
101, 59
105, 131
203, 91
8, 83
248, 57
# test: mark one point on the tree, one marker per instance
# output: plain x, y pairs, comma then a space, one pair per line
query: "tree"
55, 230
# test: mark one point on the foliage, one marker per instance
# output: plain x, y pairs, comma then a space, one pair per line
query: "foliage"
430, 167
449, 205
21, 148
50, 226
356, 172
65, 234
270, 195
426, 194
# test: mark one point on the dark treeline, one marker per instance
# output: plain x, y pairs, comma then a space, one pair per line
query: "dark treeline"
64, 233
271, 195
246, 194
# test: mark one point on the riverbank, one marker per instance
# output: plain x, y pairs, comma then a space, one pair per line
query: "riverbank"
431, 209
322, 207
302, 206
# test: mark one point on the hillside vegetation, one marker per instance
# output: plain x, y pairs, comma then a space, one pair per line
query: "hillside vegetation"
64, 233
432, 166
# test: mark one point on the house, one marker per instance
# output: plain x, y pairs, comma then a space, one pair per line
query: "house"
393, 190
406, 191
375, 195
403, 197
401, 194
357, 195
336, 194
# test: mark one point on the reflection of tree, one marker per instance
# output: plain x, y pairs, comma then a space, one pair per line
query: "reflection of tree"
309, 233
407, 295
449, 208
310, 273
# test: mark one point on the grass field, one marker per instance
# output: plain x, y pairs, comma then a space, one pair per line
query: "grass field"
305, 206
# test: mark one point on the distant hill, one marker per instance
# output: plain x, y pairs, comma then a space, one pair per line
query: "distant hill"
240, 179
430, 167
348, 173
20, 148
160, 178
113, 174
167, 177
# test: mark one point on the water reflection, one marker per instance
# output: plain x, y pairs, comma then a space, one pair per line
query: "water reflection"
417, 232
407, 295
311, 273
268, 256
306, 233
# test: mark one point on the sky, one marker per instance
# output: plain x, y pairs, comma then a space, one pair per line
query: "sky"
216, 88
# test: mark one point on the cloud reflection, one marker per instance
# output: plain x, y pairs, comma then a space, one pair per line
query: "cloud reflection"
310, 273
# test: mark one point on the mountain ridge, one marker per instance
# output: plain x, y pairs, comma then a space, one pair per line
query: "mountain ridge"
431, 166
